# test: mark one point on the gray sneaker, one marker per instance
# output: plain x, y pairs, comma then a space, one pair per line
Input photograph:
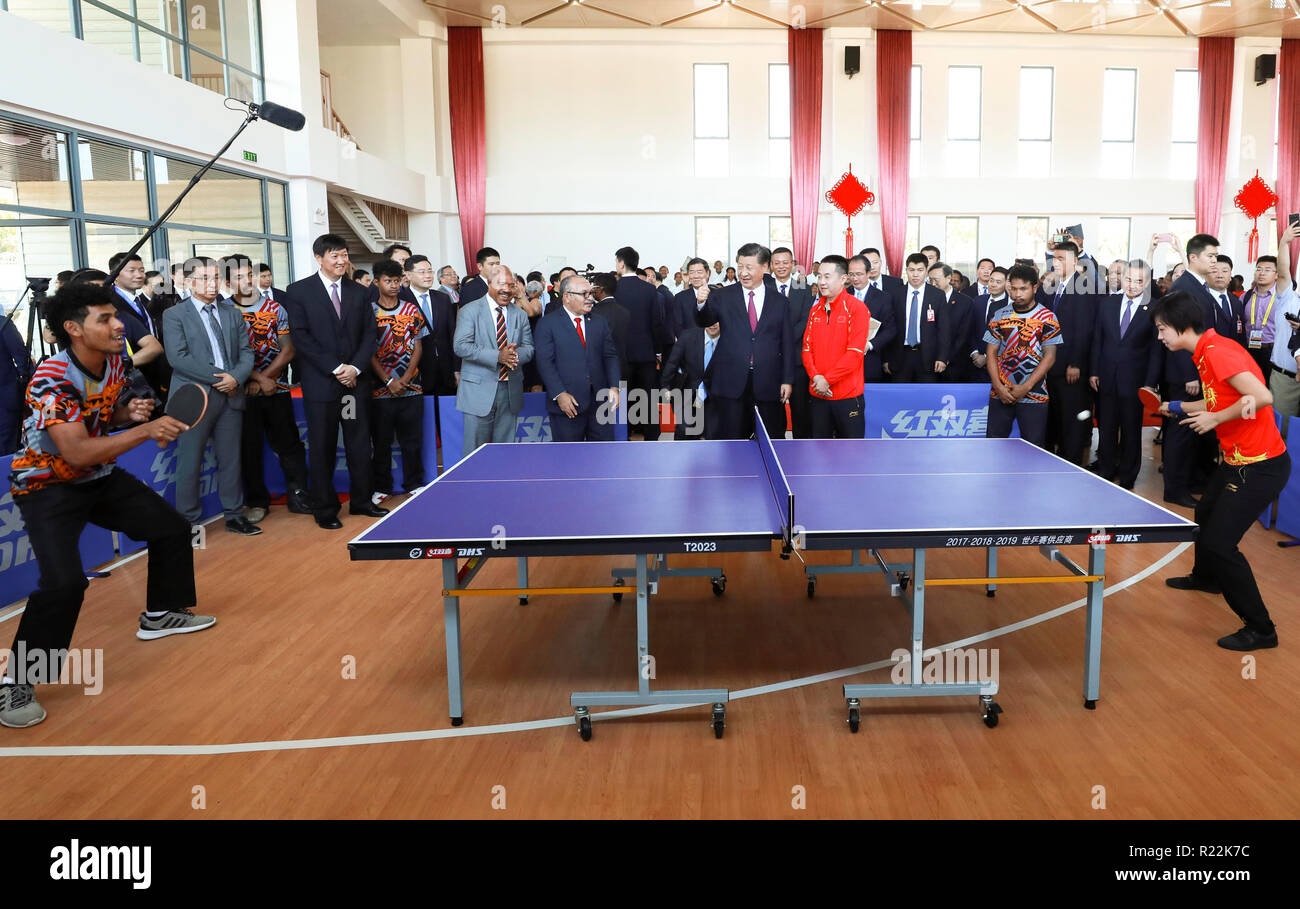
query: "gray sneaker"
254, 514
178, 621
18, 706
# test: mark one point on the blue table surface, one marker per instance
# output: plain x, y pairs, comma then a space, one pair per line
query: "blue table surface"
638, 489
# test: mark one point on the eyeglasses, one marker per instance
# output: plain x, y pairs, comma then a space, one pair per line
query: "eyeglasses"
580, 293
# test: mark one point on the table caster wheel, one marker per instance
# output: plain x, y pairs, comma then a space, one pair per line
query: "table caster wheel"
990, 593
719, 720
523, 601
1090, 703
584, 728
812, 587
719, 585
618, 597
457, 721
855, 719
991, 710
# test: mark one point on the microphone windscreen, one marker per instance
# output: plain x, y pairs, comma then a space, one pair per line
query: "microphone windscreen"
284, 117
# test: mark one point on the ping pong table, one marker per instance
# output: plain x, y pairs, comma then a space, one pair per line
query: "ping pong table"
522, 501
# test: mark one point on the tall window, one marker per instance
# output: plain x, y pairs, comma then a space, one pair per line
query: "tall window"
1113, 241
1031, 238
1186, 114
1036, 121
963, 150
778, 119
713, 239
712, 116
912, 240
780, 232
961, 244
915, 110
216, 44
1118, 122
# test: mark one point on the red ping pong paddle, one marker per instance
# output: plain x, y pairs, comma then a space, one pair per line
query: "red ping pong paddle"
1150, 400
187, 405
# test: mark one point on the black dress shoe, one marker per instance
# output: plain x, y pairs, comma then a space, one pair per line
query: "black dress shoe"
1192, 582
242, 526
297, 502
329, 523
372, 511
1249, 639
1184, 500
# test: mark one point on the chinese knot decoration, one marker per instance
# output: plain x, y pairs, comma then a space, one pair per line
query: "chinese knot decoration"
850, 195
1255, 198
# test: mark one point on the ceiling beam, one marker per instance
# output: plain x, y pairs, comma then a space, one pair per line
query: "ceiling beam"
1168, 14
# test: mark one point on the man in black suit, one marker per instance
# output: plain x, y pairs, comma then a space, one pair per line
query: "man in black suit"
682, 313
334, 335
987, 307
924, 329
979, 288
689, 368
1126, 357
881, 305
961, 315
602, 289
579, 367
473, 288
801, 301
755, 360
1229, 314
892, 285
143, 334
439, 365
645, 336
555, 302
1074, 300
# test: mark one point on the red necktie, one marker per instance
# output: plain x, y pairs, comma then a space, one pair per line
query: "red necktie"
504, 372
753, 313
577, 322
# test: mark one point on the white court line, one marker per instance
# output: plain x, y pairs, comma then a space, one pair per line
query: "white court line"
383, 738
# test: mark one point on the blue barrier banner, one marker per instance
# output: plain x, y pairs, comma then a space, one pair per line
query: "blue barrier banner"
1288, 503
18, 570
534, 425
924, 411
1267, 517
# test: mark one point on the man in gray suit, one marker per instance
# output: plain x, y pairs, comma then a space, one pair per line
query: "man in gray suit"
207, 341
493, 341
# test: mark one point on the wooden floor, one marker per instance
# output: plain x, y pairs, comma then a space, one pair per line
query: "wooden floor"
1178, 731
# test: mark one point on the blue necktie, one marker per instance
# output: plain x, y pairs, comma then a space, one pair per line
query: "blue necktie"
1227, 307
914, 321
708, 355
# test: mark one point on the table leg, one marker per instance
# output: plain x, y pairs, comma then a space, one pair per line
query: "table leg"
991, 570
451, 628
1092, 652
523, 580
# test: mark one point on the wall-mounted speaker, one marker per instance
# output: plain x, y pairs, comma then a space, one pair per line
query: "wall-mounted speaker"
853, 61
1265, 68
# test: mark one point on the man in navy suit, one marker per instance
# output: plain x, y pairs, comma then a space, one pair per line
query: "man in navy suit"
801, 301
987, 307
924, 328
439, 365
645, 334
1074, 301
1126, 357
979, 288
754, 363
575, 355
682, 312
688, 368
881, 305
1229, 314
334, 335
892, 285
961, 315
476, 287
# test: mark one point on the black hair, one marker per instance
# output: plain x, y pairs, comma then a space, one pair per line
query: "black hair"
1180, 311
534, 276
863, 259
65, 276
150, 275
998, 269
982, 261
234, 262
412, 262
698, 261
119, 258
487, 252
263, 268
937, 254
1223, 257
1067, 246
389, 268
1198, 244
630, 258
783, 249
195, 262
942, 266
755, 249
392, 248
72, 304
840, 263
1026, 273
605, 281
86, 275
1262, 259
357, 274
869, 249
918, 258
326, 243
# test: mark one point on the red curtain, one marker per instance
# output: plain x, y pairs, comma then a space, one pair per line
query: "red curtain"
805, 55
893, 130
1214, 62
1288, 138
468, 135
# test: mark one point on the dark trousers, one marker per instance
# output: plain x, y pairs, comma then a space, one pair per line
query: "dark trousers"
56, 516
1067, 435
270, 418
644, 377
801, 406
594, 424
1119, 428
1234, 499
1263, 357
733, 418
1030, 415
1178, 456
912, 367
11, 427
324, 419
845, 418
404, 418
697, 416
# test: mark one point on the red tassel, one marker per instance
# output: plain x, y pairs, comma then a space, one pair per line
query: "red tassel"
1252, 248
848, 243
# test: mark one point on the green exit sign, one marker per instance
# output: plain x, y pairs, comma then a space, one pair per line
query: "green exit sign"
250, 156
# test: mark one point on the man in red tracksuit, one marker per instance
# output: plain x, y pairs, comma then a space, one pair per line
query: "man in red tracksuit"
833, 347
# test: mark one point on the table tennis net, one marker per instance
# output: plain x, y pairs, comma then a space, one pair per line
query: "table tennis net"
782, 494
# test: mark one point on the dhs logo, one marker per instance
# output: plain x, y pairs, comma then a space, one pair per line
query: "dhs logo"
469, 552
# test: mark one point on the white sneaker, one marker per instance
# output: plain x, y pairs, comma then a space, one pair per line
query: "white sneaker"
377, 498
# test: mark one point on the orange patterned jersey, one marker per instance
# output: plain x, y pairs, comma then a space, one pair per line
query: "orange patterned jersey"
1253, 437
63, 391
268, 326
1022, 338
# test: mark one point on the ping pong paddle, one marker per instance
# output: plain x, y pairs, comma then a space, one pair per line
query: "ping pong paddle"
1150, 400
187, 405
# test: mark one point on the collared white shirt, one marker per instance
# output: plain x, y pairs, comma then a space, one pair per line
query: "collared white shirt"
1130, 305
131, 302
909, 290
328, 284
981, 290
218, 352
783, 287
1286, 303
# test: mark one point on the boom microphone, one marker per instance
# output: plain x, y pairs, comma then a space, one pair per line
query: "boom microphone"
283, 117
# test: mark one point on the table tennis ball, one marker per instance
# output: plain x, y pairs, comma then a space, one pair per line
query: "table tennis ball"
1083, 415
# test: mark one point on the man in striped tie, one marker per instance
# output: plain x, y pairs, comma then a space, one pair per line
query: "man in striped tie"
493, 341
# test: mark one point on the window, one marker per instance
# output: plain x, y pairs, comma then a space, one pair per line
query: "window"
963, 150
1186, 114
780, 232
1114, 241
1036, 121
216, 44
113, 180
912, 240
778, 119
915, 110
1031, 239
713, 240
961, 244
712, 116
1118, 119
33, 167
